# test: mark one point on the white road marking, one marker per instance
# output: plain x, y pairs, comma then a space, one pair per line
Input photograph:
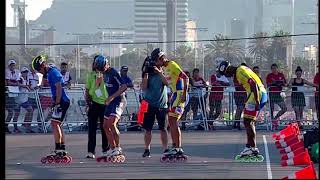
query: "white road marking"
267, 157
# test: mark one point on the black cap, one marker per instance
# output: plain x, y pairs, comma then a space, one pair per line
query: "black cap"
124, 68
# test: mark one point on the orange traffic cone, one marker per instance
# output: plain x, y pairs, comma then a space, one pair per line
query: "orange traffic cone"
301, 159
282, 143
292, 147
291, 129
292, 153
305, 173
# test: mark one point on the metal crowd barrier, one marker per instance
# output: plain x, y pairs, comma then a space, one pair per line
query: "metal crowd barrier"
199, 101
302, 98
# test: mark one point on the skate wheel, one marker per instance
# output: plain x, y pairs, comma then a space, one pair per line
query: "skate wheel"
65, 159
123, 159
260, 158
171, 159
163, 159
43, 160
70, 159
50, 159
58, 160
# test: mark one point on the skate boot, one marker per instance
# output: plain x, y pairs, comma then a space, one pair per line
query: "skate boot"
57, 156
174, 155
249, 154
115, 155
146, 153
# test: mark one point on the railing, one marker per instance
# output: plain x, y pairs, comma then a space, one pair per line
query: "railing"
200, 101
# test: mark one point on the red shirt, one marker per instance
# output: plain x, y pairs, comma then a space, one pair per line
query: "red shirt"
216, 91
316, 81
275, 77
240, 91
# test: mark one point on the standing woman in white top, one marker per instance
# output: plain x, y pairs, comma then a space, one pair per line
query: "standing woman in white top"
12, 77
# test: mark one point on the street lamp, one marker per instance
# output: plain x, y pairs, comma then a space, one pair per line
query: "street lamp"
200, 29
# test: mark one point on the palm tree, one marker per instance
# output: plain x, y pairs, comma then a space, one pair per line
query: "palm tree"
227, 49
279, 45
184, 55
259, 47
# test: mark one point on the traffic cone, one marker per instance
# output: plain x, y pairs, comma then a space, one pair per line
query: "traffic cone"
301, 159
282, 143
305, 173
290, 129
292, 147
292, 153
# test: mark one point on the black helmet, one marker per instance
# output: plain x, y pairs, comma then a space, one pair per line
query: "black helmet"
156, 53
224, 65
37, 62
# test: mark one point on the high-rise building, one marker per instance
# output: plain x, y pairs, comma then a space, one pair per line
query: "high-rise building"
149, 14
238, 30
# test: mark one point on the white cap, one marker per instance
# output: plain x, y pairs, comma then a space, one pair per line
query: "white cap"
12, 62
24, 69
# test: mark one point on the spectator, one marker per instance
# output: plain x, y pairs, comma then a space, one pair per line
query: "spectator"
22, 101
66, 74
275, 82
124, 76
12, 78
96, 95
197, 85
297, 97
216, 96
316, 81
188, 107
256, 70
240, 97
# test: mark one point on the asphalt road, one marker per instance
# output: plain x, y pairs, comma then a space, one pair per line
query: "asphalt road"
211, 155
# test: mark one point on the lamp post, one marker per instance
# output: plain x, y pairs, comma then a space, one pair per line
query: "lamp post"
200, 29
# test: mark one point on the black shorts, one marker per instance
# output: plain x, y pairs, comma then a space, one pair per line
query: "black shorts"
64, 108
33, 103
149, 117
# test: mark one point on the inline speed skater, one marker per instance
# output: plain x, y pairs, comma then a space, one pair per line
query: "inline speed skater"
178, 83
115, 104
257, 98
59, 108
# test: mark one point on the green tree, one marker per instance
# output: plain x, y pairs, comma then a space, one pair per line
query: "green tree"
259, 47
184, 56
227, 49
278, 47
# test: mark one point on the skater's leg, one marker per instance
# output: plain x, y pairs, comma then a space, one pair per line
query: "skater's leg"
114, 129
251, 133
109, 134
175, 131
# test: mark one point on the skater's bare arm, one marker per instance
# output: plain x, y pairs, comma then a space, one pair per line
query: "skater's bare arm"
59, 92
